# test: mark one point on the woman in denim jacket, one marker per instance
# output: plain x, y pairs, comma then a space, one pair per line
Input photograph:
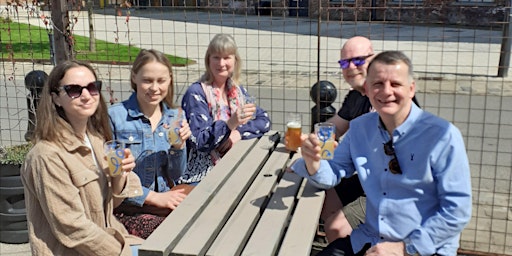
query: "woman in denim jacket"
217, 111
142, 123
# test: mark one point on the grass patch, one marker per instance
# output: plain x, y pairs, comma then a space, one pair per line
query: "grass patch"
24, 42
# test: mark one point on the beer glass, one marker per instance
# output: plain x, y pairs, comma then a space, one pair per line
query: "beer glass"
293, 131
326, 133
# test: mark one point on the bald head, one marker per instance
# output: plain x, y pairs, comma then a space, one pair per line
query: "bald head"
356, 47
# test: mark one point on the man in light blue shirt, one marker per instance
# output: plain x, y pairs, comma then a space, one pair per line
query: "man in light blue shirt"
412, 165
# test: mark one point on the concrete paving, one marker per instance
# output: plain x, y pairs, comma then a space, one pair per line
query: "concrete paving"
456, 72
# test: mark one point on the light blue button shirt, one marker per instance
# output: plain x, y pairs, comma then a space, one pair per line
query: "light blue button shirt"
428, 205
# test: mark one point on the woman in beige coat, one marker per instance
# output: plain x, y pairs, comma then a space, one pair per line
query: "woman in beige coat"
69, 194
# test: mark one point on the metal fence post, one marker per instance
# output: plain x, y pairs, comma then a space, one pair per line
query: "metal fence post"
506, 41
34, 81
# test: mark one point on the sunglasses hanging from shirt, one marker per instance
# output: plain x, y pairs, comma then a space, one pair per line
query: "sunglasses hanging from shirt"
393, 165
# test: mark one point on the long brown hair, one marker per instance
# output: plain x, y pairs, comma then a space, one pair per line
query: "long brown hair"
147, 56
52, 120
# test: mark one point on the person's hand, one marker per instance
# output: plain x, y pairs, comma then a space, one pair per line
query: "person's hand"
249, 110
128, 163
167, 200
185, 133
387, 249
310, 151
239, 117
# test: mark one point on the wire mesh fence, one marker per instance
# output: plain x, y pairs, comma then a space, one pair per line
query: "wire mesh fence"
288, 46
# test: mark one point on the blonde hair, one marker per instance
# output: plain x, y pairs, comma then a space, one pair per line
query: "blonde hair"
222, 44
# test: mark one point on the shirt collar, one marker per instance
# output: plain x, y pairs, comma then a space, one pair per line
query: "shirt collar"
405, 127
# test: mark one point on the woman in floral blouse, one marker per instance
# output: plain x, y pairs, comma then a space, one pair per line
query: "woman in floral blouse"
216, 110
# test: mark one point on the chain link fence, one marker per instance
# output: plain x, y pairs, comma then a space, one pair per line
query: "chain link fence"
460, 52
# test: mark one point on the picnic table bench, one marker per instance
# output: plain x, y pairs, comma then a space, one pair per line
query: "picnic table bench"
247, 205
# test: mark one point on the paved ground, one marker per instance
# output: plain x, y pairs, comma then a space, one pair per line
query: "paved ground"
281, 76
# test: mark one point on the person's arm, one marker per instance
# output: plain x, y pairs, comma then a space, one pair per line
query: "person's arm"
450, 168
207, 134
61, 202
322, 173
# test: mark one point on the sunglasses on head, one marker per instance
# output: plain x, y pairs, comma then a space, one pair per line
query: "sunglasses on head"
74, 90
358, 61
393, 165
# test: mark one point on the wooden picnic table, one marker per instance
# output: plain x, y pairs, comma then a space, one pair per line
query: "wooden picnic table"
247, 205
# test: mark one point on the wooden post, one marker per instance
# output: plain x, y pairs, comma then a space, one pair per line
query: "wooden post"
60, 19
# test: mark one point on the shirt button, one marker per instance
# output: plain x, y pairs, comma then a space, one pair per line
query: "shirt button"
136, 192
382, 238
161, 134
384, 193
130, 138
385, 169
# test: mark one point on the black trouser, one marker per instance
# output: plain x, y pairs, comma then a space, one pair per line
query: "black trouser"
342, 247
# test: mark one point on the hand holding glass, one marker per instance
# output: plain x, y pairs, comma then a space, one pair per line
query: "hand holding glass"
326, 133
293, 131
114, 150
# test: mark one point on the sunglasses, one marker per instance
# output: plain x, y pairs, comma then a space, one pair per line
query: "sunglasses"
74, 90
393, 165
358, 61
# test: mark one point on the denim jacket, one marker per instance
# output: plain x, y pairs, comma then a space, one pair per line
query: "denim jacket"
155, 160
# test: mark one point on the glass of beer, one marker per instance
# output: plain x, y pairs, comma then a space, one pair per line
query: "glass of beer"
326, 133
173, 131
114, 150
293, 131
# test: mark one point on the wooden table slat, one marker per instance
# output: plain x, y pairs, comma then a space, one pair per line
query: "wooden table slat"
208, 224
276, 214
237, 230
302, 229
161, 241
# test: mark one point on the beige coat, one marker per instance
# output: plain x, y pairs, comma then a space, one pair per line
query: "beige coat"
69, 201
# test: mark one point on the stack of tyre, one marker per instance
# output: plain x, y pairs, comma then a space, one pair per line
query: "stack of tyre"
13, 216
